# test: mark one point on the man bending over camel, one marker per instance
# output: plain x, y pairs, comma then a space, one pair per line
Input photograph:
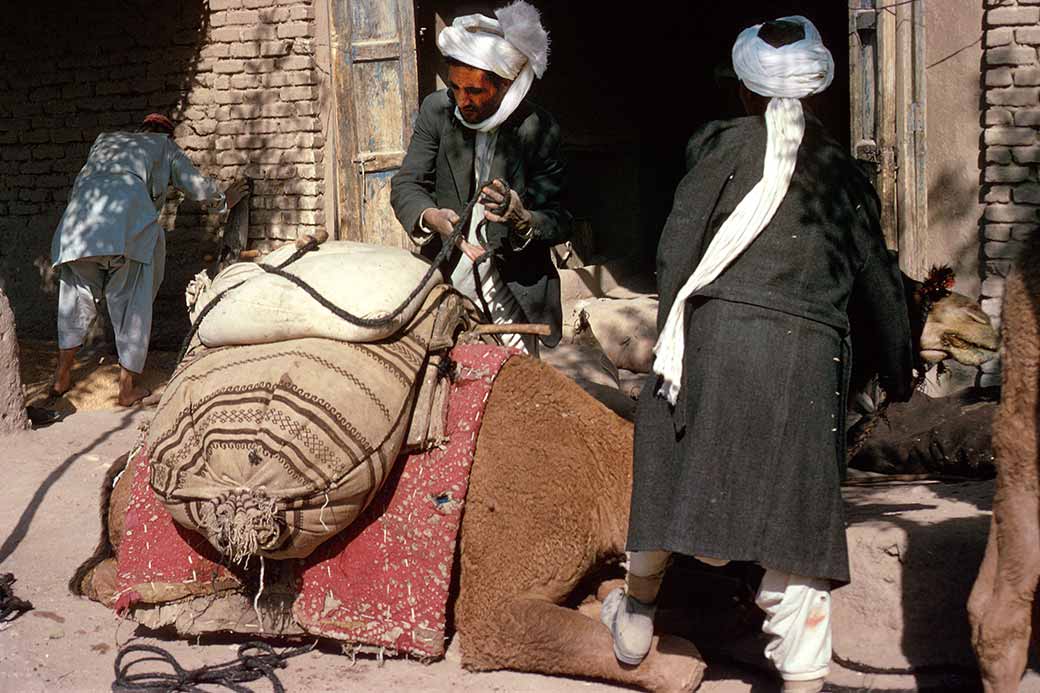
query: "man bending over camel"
109, 243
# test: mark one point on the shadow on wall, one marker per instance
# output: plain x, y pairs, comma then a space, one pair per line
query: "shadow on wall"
72, 71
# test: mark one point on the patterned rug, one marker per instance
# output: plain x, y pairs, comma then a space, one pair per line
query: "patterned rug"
384, 582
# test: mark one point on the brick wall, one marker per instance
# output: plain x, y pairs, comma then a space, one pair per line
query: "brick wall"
239, 76
1011, 148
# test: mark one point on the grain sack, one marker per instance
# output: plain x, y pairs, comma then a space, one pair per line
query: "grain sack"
368, 281
269, 449
627, 329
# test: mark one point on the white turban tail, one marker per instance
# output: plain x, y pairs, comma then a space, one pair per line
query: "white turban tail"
514, 47
784, 74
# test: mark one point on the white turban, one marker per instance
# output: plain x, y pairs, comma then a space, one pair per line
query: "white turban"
784, 74
792, 71
515, 47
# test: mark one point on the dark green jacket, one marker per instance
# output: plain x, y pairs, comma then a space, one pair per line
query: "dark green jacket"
438, 172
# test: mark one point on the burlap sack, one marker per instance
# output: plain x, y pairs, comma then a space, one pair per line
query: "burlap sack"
366, 280
270, 449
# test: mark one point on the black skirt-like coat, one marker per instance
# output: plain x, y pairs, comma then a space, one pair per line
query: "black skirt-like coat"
748, 464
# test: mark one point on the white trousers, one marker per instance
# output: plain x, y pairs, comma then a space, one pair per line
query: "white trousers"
798, 614
129, 288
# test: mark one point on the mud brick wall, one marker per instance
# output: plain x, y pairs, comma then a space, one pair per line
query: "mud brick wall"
240, 77
1010, 147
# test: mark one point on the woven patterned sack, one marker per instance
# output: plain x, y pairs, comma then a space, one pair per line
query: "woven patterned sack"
270, 449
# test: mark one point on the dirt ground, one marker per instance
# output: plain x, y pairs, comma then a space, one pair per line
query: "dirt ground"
94, 376
49, 524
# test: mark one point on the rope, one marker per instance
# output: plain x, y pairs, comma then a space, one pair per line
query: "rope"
10, 604
946, 668
255, 661
446, 249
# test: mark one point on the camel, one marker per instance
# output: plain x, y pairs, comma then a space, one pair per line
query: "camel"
1001, 603
954, 327
554, 463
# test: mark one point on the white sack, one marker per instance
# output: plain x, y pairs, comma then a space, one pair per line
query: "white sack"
365, 280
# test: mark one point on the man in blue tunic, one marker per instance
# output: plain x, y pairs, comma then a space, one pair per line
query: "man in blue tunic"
109, 242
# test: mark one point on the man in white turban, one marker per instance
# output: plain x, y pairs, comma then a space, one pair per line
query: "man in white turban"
771, 257
479, 130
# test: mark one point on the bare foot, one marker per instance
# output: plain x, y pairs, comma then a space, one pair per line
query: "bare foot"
132, 396
63, 374
60, 387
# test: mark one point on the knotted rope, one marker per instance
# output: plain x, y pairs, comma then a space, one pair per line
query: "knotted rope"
242, 522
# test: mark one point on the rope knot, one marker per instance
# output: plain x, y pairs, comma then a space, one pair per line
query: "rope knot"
242, 523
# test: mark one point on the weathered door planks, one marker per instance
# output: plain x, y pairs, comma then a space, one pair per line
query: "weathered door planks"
376, 87
887, 100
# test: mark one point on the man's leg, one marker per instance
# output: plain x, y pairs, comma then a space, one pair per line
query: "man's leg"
629, 612
130, 292
79, 287
798, 617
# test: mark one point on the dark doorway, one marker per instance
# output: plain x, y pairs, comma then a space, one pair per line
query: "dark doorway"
630, 86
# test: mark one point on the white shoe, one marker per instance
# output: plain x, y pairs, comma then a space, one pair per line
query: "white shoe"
631, 624
810, 686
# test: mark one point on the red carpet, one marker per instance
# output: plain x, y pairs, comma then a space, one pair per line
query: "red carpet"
384, 581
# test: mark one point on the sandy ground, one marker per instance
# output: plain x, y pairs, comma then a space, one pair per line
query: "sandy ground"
49, 524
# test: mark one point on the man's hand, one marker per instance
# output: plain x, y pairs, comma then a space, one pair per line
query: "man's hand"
440, 220
473, 252
235, 192
503, 206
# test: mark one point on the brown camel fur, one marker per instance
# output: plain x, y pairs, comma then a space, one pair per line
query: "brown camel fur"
1000, 606
554, 469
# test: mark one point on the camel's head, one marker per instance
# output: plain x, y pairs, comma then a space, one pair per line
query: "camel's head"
955, 326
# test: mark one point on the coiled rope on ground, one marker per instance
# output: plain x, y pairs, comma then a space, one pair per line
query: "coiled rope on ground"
255, 661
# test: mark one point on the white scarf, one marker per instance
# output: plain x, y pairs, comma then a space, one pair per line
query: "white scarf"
785, 74
515, 47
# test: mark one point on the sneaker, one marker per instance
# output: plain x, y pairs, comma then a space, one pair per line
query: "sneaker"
631, 624
810, 686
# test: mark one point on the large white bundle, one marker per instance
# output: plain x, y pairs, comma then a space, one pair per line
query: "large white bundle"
365, 280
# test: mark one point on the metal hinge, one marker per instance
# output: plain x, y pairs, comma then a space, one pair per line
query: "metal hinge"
916, 117
866, 20
361, 161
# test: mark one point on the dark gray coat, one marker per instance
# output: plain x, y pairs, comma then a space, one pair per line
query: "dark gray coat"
438, 172
747, 465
